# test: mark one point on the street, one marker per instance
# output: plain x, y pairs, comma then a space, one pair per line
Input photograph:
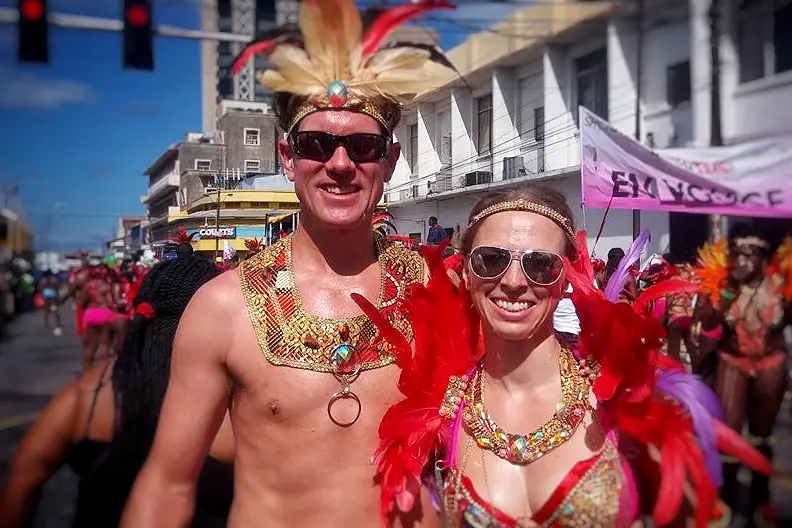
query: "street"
34, 364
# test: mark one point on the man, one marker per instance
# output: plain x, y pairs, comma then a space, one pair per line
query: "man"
279, 342
437, 235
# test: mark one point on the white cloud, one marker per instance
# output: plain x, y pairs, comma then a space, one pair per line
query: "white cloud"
31, 91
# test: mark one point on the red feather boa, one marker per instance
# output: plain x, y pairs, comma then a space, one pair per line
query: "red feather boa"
445, 326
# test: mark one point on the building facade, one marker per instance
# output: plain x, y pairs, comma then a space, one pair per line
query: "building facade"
242, 17
517, 120
16, 232
244, 145
242, 215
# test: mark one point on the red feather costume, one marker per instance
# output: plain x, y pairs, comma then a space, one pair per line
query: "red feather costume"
646, 396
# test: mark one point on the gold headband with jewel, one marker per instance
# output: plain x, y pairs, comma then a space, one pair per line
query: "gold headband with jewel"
338, 60
751, 241
530, 207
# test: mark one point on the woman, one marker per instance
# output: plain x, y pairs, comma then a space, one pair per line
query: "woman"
98, 301
102, 424
745, 308
518, 430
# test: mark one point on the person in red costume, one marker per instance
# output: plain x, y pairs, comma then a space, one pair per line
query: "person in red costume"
746, 295
507, 426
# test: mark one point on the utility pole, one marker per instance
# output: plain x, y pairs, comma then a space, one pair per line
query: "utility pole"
636, 214
716, 134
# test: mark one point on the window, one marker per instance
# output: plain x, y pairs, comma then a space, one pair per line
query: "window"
412, 130
539, 124
252, 137
782, 38
591, 74
484, 124
203, 165
764, 41
751, 40
678, 84
252, 166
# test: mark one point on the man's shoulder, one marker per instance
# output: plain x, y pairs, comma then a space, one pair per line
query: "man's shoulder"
222, 292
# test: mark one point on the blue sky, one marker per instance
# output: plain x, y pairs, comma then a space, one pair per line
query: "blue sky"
79, 132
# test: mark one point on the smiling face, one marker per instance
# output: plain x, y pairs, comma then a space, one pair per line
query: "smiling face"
339, 192
511, 306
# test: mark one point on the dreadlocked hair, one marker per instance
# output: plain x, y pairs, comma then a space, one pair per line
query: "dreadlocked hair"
141, 371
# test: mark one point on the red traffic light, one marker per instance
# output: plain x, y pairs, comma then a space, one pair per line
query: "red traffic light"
138, 16
32, 9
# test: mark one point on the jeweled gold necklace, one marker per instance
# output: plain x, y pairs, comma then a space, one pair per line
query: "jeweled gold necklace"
524, 449
290, 336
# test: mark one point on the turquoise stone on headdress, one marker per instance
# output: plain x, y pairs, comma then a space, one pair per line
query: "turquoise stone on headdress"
337, 94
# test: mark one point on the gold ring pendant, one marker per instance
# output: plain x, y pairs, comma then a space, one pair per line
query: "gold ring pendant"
344, 394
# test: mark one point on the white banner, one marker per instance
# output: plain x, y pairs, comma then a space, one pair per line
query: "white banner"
749, 179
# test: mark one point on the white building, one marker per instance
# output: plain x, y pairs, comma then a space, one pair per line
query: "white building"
518, 121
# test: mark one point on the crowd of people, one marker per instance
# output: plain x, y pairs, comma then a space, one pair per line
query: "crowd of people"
341, 377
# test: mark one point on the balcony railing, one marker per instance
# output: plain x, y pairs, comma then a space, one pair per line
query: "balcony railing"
160, 186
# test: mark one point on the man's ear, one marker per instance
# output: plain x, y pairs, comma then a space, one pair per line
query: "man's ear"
287, 157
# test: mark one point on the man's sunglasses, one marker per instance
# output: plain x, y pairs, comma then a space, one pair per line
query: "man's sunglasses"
321, 146
543, 268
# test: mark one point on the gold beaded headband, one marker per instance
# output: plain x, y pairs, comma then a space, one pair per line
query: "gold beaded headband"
751, 241
529, 207
383, 111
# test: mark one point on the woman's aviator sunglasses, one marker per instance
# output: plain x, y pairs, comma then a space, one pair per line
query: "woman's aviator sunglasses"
543, 268
321, 146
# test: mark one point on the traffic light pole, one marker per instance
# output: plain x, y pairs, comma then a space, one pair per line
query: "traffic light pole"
10, 15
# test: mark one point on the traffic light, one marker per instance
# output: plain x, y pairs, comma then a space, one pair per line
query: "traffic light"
33, 31
138, 35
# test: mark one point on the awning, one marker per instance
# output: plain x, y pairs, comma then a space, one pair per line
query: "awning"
276, 216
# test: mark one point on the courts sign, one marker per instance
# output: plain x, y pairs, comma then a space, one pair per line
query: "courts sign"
209, 233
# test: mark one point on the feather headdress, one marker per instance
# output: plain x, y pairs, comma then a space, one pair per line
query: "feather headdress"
382, 221
711, 271
338, 59
182, 237
781, 267
253, 244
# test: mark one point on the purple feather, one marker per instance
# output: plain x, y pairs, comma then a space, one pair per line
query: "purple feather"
619, 278
702, 405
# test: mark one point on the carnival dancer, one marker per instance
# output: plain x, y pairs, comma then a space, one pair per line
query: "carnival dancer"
98, 303
49, 289
306, 371
77, 281
675, 310
746, 289
515, 429
102, 424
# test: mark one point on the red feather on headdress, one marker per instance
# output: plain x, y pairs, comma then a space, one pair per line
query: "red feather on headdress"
254, 244
182, 237
413, 427
389, 20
